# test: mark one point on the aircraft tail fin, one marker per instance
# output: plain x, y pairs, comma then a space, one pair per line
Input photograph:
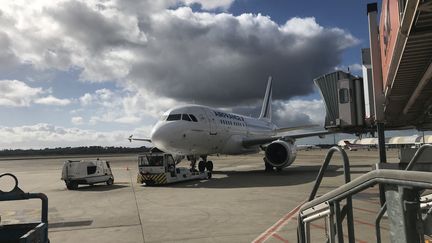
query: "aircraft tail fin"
267, 102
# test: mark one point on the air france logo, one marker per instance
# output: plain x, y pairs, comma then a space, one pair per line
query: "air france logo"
229, 116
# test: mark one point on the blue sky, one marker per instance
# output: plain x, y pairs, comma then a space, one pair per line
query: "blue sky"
92, 72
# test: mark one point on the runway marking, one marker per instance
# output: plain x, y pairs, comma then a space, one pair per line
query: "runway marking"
277, 236
345, 236
275, 227
272, 231
137, 208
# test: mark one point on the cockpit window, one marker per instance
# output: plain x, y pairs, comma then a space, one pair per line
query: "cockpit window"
163, 117
174, 117
186, 117
193, 118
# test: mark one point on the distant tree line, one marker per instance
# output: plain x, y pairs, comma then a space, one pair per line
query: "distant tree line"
73, 151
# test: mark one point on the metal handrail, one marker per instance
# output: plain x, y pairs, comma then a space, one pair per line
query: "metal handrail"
347, 177
383, 209
324, 168
17, 194
380, 176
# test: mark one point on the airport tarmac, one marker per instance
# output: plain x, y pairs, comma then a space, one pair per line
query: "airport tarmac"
241, 203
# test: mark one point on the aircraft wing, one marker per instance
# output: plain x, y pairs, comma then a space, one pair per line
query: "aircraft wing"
262, 141
287, 129
139, 139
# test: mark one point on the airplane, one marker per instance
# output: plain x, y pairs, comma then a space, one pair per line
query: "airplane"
355, 147
197, 131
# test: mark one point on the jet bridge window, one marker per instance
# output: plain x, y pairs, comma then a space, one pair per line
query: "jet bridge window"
174, 117
344, 96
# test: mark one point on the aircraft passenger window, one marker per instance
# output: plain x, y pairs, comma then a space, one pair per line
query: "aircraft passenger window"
193, 118
186, 117
343, 96
91, 169
174, 117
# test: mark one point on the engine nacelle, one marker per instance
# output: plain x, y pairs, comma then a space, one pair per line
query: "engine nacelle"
280, 154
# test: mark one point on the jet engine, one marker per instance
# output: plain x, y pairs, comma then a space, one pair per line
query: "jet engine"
280, 154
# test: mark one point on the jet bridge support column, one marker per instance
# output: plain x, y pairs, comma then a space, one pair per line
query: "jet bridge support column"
403, 209
378, 89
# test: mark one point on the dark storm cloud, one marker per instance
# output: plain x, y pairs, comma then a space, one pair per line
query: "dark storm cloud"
225, 60
294, 112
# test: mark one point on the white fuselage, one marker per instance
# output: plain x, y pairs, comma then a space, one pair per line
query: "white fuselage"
212, 132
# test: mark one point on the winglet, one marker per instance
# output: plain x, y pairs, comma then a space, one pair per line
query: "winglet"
266, 107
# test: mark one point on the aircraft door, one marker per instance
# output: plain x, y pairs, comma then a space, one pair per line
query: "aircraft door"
212, 122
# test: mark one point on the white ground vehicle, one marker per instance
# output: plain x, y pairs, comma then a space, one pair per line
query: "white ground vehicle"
89, 172
158, 168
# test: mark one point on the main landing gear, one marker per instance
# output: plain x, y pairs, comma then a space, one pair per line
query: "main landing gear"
203, 165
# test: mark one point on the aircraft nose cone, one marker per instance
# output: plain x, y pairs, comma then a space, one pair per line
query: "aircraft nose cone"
157, 134
160, 136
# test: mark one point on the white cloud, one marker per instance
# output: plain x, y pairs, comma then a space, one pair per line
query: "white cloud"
51, 100
16, 93
305, 27
355, 68
86, 99
299, 112
211, 4
128, 106
77, 120
47, 135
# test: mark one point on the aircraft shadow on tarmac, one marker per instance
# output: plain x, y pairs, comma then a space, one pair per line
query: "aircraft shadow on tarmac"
101, 188
258, 178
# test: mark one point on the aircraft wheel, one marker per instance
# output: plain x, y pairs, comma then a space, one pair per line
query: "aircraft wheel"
72, 185
110, 181
201, 166
209, 175
209, 166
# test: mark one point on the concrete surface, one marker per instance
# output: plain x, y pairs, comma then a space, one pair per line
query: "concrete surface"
239, 204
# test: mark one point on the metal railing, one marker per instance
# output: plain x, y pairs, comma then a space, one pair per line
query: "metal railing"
383, 209
413, 179
26, 232
347, 209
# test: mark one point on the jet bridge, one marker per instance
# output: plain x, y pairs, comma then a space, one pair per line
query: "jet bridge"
396, 87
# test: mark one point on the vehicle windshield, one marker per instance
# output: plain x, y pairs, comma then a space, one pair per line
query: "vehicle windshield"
151, 160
